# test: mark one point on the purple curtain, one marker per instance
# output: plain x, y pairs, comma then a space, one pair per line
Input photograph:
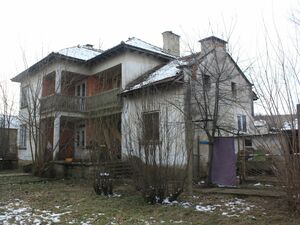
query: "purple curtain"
224, 162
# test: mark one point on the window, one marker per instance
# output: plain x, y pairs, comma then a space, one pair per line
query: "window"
23, 137
242, 123
24, 93
151, 127
80, 136
248, 142
233, 89
206, 82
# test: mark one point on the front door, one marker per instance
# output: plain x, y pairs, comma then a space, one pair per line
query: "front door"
80, 141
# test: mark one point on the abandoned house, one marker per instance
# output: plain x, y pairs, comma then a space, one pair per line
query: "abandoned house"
84, 104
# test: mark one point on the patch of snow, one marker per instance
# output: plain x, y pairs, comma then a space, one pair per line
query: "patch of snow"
229, 208
80, 52
260, 123
26, 215
135, 42
290, 125
205, 208
260, 184
169, 70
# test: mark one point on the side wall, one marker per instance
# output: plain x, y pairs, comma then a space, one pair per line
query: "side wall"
168, 103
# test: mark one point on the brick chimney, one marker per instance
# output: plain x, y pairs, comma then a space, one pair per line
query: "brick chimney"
171, 43
212, 42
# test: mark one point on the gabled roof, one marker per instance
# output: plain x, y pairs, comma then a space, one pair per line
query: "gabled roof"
134, 44
166, 72
138, 43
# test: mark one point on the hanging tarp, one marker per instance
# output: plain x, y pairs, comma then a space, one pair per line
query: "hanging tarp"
224, 162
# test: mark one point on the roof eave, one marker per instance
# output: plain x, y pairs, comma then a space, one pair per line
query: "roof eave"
123, 46
42, 62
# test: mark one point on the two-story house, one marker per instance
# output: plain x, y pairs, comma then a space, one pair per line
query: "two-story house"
65, 93
177, 111
132, 96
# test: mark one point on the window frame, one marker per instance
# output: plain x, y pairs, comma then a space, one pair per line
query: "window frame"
24, 97
23, 137
151, 136
242, 123
233, 90
206, 79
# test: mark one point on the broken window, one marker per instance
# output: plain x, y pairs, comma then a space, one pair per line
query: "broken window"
242, 123
151, 127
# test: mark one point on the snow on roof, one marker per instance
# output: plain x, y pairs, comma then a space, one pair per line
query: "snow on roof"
290, 126
169, 70
260, 123
135, 42
83, 52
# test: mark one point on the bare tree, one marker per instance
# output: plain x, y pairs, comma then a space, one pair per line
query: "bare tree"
277, 84
153, 134
219, 93
6, 120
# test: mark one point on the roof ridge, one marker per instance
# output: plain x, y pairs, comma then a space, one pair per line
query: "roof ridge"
161, 49
81, 46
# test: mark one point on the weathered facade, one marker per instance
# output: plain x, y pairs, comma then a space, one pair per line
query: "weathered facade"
72, 98
134, 98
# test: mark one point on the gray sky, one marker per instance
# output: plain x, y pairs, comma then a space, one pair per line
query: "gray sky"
36, 27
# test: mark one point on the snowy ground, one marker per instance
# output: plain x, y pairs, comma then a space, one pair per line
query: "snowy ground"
18, 212
229, 208
21, 213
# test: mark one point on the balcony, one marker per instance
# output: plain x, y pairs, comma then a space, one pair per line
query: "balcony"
102, 104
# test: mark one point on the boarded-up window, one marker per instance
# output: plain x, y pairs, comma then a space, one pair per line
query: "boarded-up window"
242, 123
151, 127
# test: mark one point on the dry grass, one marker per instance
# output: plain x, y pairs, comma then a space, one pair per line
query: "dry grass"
83, 206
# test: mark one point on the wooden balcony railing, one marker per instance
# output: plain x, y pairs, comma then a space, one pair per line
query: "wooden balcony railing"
104, 101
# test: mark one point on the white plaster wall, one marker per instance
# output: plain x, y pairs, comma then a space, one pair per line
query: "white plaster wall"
33, 86
229, 107
133, 65
172, 127
216, 66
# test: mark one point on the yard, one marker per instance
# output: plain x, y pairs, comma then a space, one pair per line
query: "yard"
30, 200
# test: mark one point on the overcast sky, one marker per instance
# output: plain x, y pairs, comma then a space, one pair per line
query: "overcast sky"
37, 27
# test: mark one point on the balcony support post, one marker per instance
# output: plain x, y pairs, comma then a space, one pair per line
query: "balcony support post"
56, 135
58, 80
